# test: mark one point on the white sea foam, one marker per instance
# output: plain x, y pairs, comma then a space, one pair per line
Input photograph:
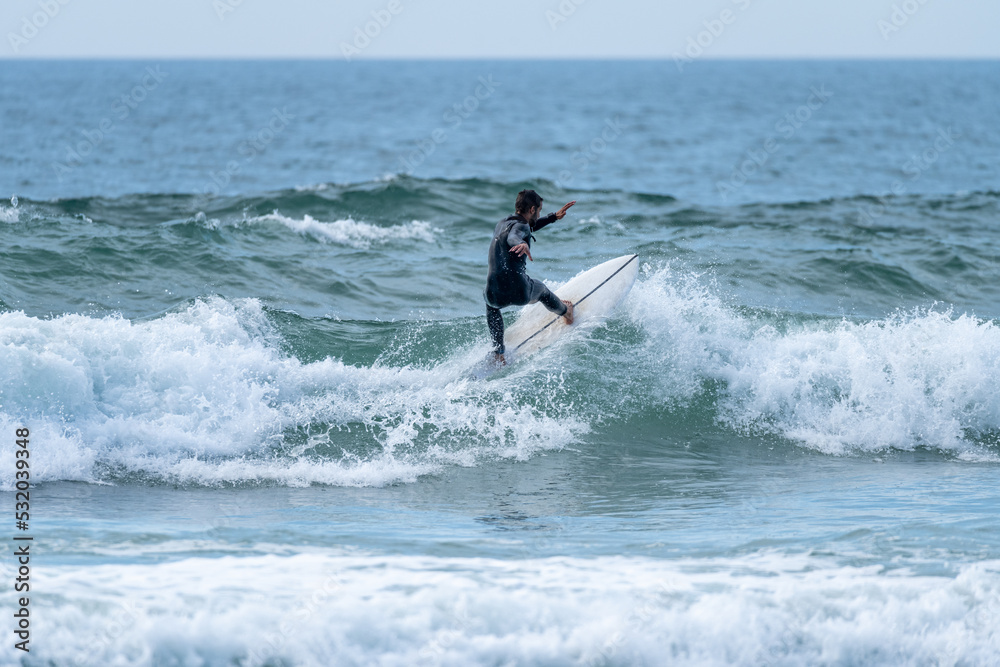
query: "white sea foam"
596, 221
925, 378
335, 609
9, 214
205, 395
349, 232
315, 187
208, 223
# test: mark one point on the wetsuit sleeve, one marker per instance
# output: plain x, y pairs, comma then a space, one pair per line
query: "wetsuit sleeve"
519, 233
541, 222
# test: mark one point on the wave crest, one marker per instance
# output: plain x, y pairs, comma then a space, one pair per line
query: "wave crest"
206, 396
922, 378
347, 231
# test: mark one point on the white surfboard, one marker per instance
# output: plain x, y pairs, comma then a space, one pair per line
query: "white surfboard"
595, 293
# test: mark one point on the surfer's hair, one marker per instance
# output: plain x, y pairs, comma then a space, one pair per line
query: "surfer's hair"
527, 199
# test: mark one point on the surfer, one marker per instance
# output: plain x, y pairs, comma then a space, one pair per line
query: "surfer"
507, 283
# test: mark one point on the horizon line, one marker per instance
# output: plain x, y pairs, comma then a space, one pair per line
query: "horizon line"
668, 58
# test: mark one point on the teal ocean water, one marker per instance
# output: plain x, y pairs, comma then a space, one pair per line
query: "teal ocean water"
239, 303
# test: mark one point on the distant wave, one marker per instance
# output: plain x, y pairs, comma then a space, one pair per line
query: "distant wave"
345, 232
387, 188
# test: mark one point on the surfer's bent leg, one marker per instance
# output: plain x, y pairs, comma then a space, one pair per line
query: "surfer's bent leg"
494, 319
539, 292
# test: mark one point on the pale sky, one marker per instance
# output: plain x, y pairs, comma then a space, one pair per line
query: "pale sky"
500, 28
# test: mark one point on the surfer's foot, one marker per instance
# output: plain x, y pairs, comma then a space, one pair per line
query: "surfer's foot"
568, 316
499, 359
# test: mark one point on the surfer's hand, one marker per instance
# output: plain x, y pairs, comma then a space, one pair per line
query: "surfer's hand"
521, 249
562, 212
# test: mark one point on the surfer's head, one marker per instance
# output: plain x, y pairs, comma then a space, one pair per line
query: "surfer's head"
528, 204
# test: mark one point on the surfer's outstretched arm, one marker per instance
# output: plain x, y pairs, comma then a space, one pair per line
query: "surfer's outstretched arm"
542, 222
551, 217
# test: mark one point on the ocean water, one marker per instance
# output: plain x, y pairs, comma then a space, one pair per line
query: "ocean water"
239, 302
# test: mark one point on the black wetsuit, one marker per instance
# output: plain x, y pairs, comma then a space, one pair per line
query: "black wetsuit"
508, 283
